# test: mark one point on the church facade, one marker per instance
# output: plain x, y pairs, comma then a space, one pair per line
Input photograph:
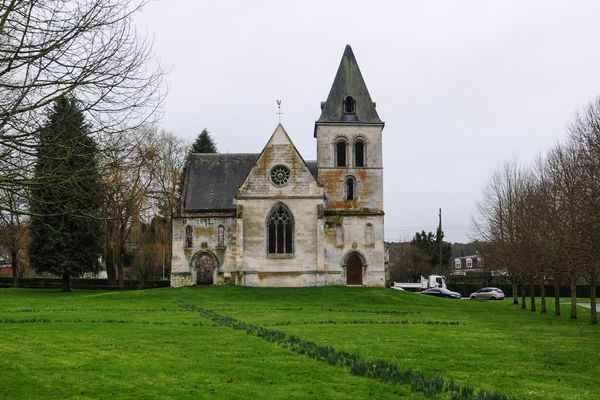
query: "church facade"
274, 219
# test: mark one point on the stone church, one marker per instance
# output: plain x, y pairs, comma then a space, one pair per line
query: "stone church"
275, 219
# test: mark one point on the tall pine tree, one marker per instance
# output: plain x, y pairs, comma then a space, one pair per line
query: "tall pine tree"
66, 234
204, 143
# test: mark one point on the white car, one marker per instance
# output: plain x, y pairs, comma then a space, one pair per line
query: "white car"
441, 292
488, 293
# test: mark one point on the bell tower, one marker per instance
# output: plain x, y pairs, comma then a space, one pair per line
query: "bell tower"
350, 169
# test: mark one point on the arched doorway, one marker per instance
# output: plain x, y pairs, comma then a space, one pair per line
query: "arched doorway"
354, 269
204, 265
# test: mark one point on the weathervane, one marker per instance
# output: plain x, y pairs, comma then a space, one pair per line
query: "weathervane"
279, 113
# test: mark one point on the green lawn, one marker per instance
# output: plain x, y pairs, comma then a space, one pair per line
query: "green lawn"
171, 344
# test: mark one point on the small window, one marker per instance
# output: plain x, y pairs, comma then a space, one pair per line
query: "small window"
369, 234
349, 105
350, 188
221, 236
189, 237
339, 235
359, 153
340, 153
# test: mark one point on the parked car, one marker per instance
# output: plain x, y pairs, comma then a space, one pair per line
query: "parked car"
441, 292
488, 293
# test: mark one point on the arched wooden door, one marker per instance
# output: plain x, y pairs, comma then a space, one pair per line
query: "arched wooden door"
354, 270
205, 266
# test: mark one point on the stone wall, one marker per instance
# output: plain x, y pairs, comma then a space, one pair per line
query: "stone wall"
345, 235
369, 179
297, 269
205, 240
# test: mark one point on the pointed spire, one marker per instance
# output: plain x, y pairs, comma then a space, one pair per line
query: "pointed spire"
349, 99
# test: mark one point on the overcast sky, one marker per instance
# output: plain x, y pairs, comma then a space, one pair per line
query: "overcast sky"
461, 85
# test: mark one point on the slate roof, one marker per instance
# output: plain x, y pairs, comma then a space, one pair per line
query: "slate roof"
312, 167
212, 180
349, 82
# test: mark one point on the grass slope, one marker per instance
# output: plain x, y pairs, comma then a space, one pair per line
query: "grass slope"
144, 344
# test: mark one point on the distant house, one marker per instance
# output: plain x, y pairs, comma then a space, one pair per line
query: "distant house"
472, 263
5, 266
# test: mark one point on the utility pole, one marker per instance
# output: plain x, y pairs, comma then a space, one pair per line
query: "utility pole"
439, 239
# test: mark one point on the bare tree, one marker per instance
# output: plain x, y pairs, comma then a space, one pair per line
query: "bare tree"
127, 174
170, 157
13, 207
88, 49
141, 175
545, 221
585, 141
527, 226
566, 183
497, 224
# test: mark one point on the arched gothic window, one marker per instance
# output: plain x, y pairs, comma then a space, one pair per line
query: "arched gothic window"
280, 230
350, 188
349, 105
359, 153
340, 153
221, 236
189, 237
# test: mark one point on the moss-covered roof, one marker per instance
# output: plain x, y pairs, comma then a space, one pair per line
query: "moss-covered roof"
212, 180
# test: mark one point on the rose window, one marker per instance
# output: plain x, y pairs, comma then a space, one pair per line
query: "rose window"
280, 175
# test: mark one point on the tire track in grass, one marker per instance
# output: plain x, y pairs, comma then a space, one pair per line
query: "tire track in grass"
95, 321
382, 370
365, 322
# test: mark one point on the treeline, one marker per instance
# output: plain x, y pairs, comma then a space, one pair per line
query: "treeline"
420, 256
86, 179
93, 207
541, 222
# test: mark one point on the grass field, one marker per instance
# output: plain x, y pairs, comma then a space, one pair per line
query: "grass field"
234, 343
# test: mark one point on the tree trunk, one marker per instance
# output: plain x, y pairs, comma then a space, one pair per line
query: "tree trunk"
523, 297
15, 272
109, 255
515, 292
120, 270
532, 295
66, 282
556, 297
110, 268
573, 285
121, 254
169, 247
593, 311
543, 297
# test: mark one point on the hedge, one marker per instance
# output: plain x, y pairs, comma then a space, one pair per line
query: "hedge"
102, 284
465, 289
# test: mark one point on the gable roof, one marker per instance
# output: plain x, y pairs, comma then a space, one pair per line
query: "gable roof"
255, 183
349, 82
211, 180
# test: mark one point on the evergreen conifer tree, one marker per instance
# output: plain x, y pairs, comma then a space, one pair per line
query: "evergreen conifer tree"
66, 234
204, 143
